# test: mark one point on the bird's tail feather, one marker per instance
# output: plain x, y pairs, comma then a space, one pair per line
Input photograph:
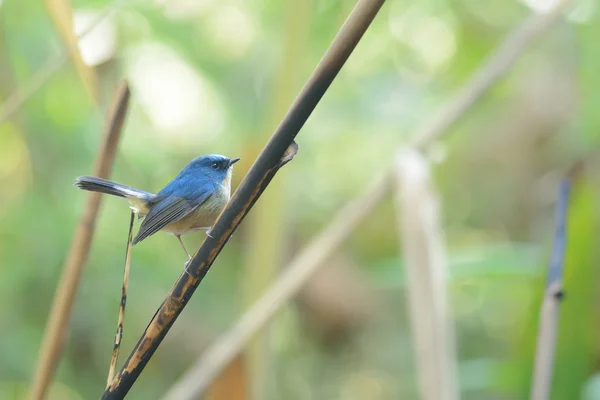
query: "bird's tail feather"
94, 184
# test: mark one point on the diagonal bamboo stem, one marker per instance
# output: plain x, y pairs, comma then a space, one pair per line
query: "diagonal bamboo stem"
264, 169
56, 328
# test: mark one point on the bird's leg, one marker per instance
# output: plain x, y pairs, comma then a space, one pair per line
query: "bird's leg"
208, 233
184, 249
183, 245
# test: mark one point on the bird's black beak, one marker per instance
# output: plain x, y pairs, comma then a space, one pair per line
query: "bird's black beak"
233, 161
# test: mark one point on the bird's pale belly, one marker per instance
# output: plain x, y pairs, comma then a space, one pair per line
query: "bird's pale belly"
201, 218
195, 221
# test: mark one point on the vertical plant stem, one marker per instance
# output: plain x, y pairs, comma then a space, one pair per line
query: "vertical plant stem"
426, 270
549, 311
58, 323
122, 304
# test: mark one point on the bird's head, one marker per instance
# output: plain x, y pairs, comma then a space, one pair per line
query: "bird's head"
215, 166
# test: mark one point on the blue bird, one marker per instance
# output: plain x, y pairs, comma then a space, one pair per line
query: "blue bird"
192, 201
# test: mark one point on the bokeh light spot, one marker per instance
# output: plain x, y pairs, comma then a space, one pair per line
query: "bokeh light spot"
99, 45
232, 30
178, 100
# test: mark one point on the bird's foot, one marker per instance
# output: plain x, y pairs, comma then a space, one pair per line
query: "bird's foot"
185, 267
208, 234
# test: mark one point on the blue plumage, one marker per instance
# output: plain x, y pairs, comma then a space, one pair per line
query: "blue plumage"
190, 186
191, 201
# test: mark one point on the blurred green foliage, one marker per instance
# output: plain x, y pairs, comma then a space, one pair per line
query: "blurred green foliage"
204, 77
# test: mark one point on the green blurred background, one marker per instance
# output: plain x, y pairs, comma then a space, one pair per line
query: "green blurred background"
213, 76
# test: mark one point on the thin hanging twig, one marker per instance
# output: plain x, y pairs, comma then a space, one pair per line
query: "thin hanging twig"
122, 304
264, 169
549, 311
299, 271
56, 328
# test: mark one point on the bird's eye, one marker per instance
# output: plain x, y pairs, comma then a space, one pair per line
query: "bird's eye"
214, 165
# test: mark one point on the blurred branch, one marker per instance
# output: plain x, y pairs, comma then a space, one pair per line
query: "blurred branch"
62, 16
549, 311
490, 71
423, 247
299, 271
56, 328
122, 304
280, 149
17, 98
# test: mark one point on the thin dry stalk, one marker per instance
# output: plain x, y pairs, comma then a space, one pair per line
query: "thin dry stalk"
62, 16
213, 361
122, 304
423, 247
57, 326
549, 312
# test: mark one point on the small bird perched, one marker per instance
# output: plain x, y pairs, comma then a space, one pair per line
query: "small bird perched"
192, 201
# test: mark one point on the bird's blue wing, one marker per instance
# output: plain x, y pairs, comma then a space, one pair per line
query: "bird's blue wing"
190, 187
174, 202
